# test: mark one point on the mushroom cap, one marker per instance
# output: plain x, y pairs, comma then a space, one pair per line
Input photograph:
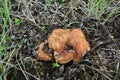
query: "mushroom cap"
78, 42
41, 54
58, 39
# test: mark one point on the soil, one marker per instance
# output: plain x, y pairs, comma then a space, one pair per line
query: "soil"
37, 22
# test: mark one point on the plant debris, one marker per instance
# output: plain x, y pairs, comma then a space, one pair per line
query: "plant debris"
37, 21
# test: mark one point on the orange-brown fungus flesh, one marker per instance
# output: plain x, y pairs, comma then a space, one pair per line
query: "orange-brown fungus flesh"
59, 40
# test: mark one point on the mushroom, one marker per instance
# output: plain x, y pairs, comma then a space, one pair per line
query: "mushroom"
59, 40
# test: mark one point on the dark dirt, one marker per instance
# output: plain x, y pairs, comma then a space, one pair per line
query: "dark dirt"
99, 63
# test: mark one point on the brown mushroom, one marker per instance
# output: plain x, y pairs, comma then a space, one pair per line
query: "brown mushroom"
59, 40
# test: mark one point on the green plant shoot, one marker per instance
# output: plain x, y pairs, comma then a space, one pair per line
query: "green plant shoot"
56, 64
17, 21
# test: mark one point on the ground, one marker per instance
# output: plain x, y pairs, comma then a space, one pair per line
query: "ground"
32, 21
